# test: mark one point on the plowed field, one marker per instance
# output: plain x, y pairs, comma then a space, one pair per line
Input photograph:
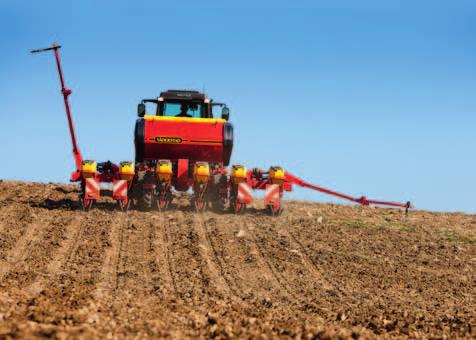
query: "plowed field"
319, 270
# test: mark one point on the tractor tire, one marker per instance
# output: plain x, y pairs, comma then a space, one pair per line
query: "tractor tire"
146, 200
218, 200
219, 205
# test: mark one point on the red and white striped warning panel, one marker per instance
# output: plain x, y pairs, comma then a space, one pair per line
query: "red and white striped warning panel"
271, 194
92, 189
245, 195
119, 189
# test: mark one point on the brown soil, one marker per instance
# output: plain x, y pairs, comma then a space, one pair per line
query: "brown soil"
319, 270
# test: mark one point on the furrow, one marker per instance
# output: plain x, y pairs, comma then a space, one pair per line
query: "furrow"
66, 241
159, 264
168, 257
21, 249
209, 253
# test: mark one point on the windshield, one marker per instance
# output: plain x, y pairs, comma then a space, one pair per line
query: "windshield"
181, 109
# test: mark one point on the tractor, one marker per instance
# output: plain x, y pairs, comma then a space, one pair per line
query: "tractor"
182, 146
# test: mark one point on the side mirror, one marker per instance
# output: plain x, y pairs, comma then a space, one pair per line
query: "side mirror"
141, 110
225, 113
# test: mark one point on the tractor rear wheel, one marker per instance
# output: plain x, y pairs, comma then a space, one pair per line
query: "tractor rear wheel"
219, 194
219, 204
146, 200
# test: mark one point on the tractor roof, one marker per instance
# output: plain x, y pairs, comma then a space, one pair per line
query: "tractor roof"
183, 95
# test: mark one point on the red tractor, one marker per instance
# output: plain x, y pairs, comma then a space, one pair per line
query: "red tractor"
181, 145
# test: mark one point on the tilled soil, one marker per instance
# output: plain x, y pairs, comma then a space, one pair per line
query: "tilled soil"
317, 271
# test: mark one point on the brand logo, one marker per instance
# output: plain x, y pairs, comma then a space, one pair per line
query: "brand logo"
168, 140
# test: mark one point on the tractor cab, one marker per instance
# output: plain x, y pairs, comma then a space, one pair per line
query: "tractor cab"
183, 104
182, 126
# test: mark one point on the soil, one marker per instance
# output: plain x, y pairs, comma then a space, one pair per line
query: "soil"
317, 271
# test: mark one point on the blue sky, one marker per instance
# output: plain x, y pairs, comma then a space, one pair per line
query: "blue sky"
365, 97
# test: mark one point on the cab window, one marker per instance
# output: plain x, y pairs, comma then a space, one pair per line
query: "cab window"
183, 109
